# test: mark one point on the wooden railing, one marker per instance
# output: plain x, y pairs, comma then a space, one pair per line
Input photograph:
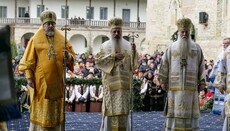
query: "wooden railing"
74, 23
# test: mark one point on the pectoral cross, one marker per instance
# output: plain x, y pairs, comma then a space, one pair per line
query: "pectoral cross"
183, 62
52, 53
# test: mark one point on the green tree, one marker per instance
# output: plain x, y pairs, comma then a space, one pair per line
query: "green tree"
137, 103
13, 49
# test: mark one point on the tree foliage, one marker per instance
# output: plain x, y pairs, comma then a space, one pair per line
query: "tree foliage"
13, 49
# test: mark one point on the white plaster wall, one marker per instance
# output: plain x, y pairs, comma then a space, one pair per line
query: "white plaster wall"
10, 4
78, 8
91, 36
23, 3
20, 31
33, 8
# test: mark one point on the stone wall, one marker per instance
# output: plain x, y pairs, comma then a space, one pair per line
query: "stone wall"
161, 24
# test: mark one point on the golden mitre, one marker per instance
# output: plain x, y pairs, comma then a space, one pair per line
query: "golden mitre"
115, 23
48, 16
184, 24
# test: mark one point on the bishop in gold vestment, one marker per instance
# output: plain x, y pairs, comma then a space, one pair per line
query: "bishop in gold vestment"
43, 64
116, 60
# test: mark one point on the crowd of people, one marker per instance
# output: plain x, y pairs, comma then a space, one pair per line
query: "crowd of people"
77, 21
153, 96
151, 91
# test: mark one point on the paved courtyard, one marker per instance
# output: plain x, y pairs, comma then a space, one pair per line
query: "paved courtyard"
141, 121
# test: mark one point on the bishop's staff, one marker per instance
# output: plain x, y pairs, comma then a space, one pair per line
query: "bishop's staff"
65, 28
133, 36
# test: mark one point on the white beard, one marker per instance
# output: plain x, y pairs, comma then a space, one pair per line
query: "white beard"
116, 43
189, 39
184, 45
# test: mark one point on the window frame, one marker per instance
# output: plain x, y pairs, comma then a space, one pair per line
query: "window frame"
63, 11
89, 12
21, 12
3, 11
103, 13
40, 9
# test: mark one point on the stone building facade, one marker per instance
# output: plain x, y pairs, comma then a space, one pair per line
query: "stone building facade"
89, 30
162, 16
157, 19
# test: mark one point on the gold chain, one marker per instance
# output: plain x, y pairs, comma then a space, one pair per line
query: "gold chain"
51, 51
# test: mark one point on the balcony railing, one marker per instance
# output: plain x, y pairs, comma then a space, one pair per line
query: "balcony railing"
71, 22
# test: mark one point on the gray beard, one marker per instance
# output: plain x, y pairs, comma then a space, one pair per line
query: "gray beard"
184, 46
49, 33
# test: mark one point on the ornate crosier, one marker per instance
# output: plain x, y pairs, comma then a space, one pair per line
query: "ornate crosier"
51, 51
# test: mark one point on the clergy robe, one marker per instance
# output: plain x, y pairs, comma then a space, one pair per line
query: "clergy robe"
182, 105
117, 81
47, 105
223, 78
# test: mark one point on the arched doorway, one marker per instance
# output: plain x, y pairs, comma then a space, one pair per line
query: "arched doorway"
25, 39
98, 41
79, 43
